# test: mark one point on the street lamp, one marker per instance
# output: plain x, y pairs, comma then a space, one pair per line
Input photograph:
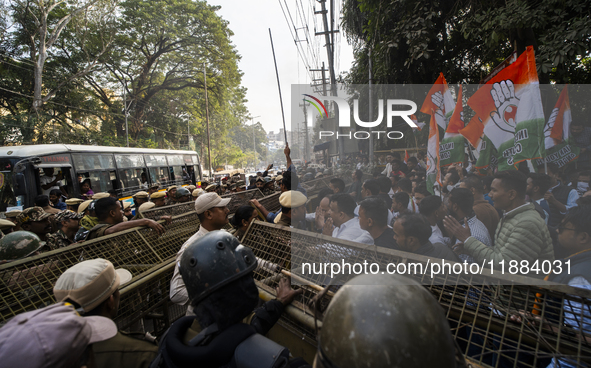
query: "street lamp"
254, 147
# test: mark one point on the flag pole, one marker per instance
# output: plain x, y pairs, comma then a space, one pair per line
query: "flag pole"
278, 86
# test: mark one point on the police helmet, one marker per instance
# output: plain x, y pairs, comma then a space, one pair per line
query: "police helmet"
19, 244
181, 192
384, 321
213, 261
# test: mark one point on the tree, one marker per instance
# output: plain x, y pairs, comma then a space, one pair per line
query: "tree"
153, 54
465, 39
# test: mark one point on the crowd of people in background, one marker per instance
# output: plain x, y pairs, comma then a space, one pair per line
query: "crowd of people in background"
507, 215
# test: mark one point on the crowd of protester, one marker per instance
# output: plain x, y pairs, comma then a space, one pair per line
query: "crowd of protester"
507, 215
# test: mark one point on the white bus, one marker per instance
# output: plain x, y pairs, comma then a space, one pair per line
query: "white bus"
125, 170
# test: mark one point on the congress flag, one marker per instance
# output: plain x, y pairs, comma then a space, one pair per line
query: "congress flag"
557, 133
451, 149
433, 171
510, 106
439, 102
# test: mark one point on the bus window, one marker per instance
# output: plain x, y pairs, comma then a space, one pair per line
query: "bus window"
159, 175
7, 197
133, 179
176, 175
86, 162
100, 181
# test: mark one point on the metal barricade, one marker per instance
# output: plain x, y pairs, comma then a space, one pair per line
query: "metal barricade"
171, 210
27, 284
242, 198
479, 307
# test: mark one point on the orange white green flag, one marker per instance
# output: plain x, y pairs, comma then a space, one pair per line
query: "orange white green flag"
433, 165
420, 125
439, 102
451, 149
557, 133
510, 107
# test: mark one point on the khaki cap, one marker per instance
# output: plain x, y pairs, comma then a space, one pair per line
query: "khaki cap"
196, 192
211, 186
101, 195
141, 194
292, 199
74, 201
89, 283
13, 213
191, 187
157, 195
209, 200
126, 205
154, 186
84, 205
171, 188
5, 224
279, 178
146, 206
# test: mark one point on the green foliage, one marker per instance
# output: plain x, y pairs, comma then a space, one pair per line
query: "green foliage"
157, 49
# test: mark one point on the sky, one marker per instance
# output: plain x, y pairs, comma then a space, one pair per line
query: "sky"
250, 21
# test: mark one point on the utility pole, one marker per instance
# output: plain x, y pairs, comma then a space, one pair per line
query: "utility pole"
370, 111
207, 121
329, 38
254, 146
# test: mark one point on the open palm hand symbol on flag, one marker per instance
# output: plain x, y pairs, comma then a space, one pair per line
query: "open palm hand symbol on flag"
437, 99
503, 95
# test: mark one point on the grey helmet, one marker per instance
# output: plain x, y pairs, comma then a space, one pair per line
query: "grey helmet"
19, 244
384, 321
213, 261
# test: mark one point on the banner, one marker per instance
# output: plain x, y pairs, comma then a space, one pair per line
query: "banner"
510, 106
439, 102
560, 154
557, 133
433, 170
451, 149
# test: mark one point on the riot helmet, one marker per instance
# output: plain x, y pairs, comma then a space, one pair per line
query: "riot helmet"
213, 261
19, 244
384, 321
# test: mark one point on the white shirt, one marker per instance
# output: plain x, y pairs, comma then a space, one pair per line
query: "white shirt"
350, 230
44, 180
178, 291
387, 170
437, 236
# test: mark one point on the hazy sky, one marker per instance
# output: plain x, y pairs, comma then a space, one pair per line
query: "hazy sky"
250, 21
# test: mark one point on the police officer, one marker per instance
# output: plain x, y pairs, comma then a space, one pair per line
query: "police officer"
153, 189
159, 199
196, 193
73, 204
170, 192
6, 227
211, 188
217, 271
182, 195
140, 198
93, 286
293, 208
35, 220
385, 321
68, 223
19, 244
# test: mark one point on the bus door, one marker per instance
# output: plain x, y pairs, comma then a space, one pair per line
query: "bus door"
189, 170
98, 168
157, 170
57, 165
13, 187
197, 174
175, 168
132, 172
